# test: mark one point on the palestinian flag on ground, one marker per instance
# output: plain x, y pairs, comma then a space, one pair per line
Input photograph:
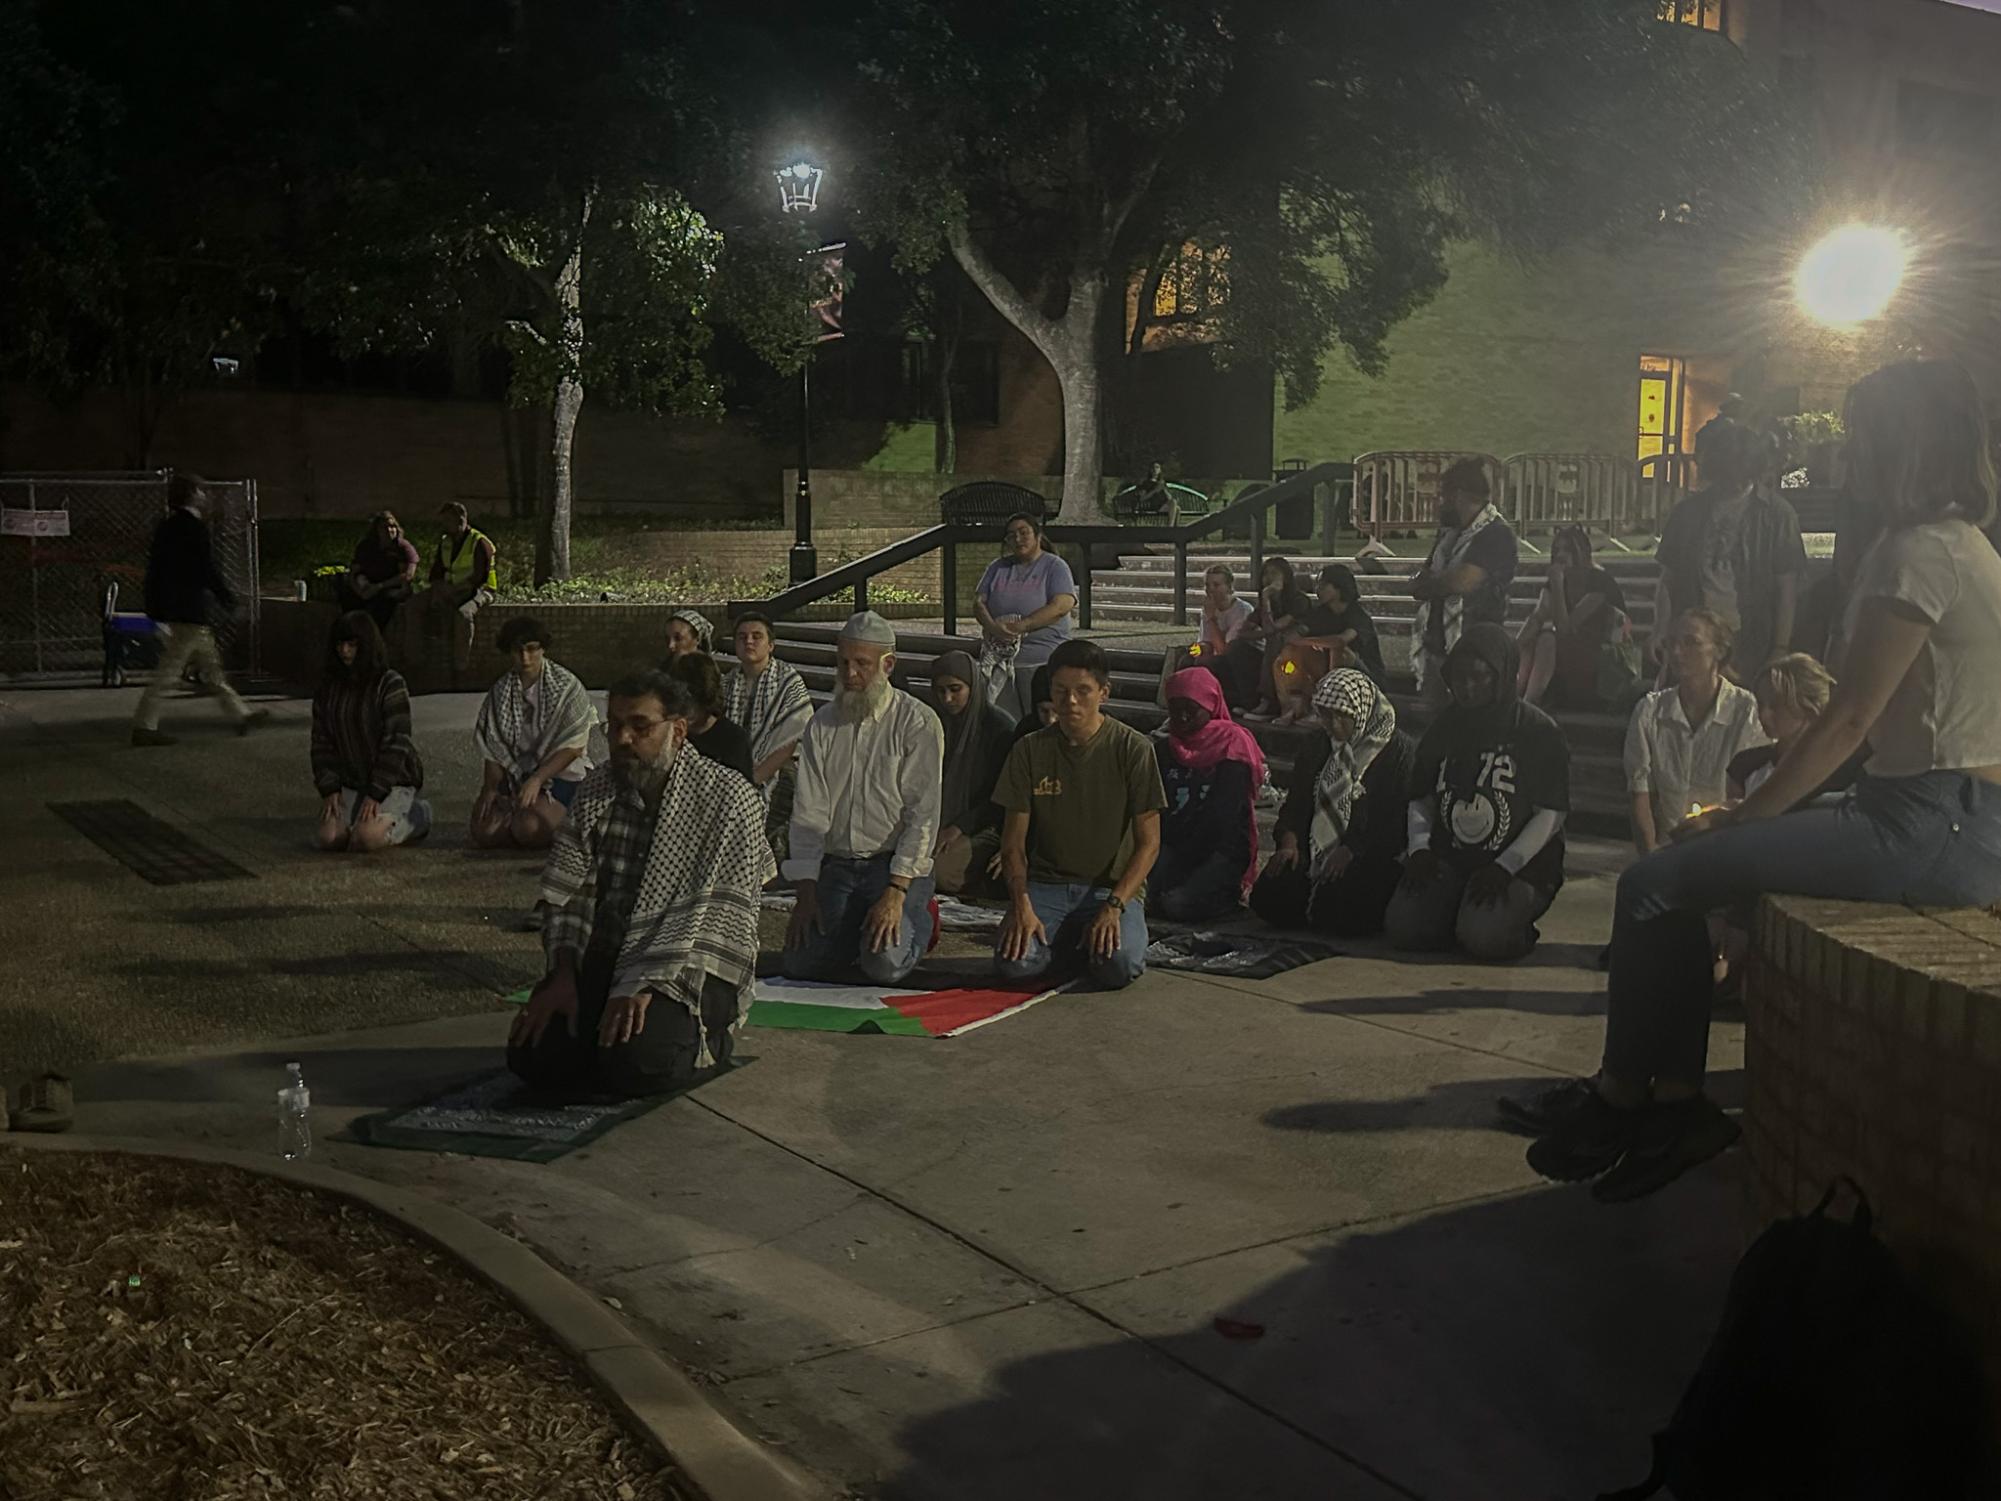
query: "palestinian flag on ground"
812, 1006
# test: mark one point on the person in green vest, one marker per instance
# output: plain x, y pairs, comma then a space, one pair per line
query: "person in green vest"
462, 580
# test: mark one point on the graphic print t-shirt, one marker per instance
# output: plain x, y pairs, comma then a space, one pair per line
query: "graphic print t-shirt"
1489, 782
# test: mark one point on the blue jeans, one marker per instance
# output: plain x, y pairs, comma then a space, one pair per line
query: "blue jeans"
847, 889
1932, 840
1066, 913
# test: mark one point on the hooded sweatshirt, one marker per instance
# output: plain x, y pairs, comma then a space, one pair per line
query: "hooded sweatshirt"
1487, 771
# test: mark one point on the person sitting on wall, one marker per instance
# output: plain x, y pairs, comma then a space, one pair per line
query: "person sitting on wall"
382, 572
768, 698
1465, 579
1335, 630
649, 905
463, 580
1246, 669
1341, 833
1082, 801
709, 732
538, 736
688, 631
1489, 794
978, 737
1023, 602
1681, 739
365, 762
1580, 616
1210, 769
864, 820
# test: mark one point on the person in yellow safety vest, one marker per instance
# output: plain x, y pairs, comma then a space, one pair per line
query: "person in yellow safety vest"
462, 580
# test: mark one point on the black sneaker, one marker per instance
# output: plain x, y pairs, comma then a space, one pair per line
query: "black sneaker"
1586, 1142
1537, 1114
1671, 1140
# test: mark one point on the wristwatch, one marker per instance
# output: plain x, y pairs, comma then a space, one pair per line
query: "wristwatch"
1113, 900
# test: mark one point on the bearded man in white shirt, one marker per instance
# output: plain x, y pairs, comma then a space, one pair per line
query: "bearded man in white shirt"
864, 820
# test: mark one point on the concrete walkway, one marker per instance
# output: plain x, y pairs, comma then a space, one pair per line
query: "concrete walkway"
981, 1268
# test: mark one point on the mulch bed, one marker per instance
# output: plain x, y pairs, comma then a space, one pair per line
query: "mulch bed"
179, 1330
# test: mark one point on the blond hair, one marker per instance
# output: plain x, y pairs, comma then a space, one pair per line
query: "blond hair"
1917, 445
1795, 682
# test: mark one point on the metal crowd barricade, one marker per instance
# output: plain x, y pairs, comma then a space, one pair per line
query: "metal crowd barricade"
1398, 489
1660, 481
64, 538
1543, 491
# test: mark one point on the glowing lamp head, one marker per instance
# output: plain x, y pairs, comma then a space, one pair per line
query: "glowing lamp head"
1851, 275
799, 187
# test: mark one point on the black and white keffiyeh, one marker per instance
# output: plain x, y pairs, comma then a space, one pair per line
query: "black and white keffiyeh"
702, 877
773, 708
1446, 554
1353, 696
508, 735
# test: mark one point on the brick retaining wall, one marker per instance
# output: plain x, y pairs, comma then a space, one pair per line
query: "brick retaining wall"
1874, 1049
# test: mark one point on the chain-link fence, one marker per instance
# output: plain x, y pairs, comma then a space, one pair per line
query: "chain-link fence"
67, 541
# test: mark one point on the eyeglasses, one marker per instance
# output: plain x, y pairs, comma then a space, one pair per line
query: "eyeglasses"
639, 729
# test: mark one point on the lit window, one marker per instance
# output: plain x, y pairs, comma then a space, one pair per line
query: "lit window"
1709, 15
1195, 285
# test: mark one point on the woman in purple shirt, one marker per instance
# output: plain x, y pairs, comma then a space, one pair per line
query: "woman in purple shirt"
1024, 600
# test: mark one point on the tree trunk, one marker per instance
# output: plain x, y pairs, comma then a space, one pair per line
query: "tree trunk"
945, 444
552, 544
1070, 345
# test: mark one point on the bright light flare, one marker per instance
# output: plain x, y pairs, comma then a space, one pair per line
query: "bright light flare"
1850, 276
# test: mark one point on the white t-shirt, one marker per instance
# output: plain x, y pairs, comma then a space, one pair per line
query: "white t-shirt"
1946, 713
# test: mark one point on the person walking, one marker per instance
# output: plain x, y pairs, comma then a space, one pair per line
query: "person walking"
181, 580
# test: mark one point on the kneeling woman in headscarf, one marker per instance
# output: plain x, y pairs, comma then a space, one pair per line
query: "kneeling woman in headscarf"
1341, 831
978, 737
1211, 769
1489, 796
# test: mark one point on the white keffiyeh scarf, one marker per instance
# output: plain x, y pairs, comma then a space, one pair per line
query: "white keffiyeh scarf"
509, 736
695, 915
1373, 721
1446, 554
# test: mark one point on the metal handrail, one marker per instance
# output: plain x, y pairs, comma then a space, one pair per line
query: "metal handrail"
947, 538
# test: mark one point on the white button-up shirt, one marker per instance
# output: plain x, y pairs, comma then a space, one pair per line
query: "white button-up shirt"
868, 787
1680, 764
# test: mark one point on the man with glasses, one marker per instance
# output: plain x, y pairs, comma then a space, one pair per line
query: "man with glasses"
649, 912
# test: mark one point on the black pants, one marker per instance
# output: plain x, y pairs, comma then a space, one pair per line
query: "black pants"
1194, 886
1350, 906
660, 1058
380, 606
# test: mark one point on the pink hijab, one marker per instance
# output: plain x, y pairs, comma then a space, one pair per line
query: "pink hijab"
1221, 739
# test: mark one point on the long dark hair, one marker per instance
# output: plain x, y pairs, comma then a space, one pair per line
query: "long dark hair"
1286, 584
371, 657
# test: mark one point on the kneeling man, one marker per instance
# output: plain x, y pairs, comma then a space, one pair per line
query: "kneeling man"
649, 912
1082, 798
864, 820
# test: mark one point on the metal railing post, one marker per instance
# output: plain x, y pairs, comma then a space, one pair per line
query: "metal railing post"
1258, 515
861, 593
1083, 576
948, 586
1181, 581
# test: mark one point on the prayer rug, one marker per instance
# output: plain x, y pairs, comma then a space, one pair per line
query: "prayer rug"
811, 1006
1241, 956
494, 1116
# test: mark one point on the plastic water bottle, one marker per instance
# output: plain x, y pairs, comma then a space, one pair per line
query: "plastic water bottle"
295, 1128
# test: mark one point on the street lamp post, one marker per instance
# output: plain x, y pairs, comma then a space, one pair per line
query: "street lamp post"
799, 193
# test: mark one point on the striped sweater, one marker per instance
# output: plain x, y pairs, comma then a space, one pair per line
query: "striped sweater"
362, 736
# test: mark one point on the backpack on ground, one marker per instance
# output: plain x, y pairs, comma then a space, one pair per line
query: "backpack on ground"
1828, 1379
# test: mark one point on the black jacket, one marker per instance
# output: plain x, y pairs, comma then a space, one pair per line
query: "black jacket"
181, 571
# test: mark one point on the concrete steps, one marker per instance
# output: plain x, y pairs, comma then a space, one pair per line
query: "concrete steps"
1598, 793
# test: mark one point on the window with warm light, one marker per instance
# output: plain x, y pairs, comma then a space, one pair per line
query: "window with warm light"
1708, 15
1195, 285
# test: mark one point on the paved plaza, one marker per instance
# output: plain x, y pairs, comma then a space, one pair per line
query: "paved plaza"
987, 1267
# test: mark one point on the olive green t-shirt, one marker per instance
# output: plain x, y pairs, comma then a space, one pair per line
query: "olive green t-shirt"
1081, 800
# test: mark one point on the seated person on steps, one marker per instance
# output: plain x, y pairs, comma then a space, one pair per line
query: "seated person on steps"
365, 762
768, 698
649, 907
864, 820
1489, 795
1335, 631
709, 733
1082, 801
1210, 769
539, 737
1341, 831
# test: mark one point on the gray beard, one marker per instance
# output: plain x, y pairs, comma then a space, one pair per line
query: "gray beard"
649, 778
851, 707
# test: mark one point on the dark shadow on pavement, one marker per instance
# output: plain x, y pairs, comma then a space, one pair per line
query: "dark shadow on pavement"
1537, 1002
1463, 1103
374, 1078
1520, 1348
